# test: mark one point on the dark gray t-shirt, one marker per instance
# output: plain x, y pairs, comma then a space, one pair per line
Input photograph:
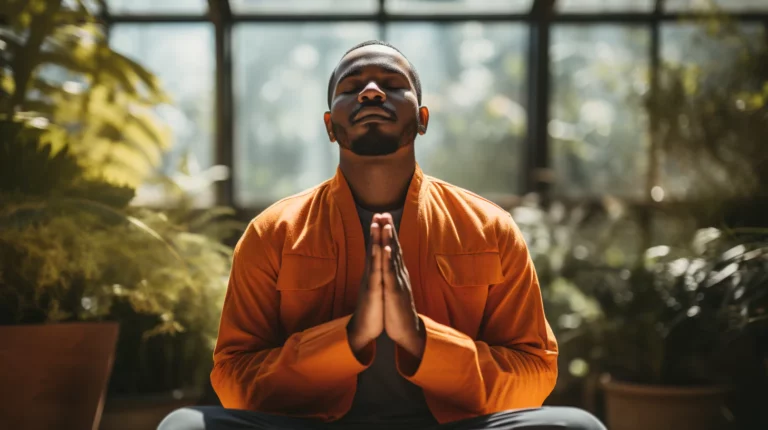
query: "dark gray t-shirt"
383, 396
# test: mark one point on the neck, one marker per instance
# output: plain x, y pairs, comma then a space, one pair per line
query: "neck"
380, 183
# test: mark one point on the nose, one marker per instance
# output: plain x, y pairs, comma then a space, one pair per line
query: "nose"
371, 92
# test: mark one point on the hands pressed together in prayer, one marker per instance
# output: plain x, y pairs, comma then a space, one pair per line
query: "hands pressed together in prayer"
385, 302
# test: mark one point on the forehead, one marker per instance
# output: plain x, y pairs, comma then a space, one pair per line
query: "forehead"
373, 56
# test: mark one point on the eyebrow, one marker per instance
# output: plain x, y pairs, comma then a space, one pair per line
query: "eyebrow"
358, 70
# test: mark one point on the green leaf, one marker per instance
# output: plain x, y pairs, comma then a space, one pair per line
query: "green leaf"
143, 76
65, 60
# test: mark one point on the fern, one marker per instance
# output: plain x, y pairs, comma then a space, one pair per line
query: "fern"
111, 114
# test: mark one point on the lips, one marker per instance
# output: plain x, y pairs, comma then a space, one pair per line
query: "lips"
373, 112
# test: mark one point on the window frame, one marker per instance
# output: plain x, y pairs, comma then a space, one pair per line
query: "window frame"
536, 169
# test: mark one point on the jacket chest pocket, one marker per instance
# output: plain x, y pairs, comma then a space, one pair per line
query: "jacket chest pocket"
466, 279
306, 286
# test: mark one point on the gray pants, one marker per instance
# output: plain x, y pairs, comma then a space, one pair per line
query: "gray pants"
218, 418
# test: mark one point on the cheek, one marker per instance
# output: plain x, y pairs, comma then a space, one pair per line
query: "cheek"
340, 111
407, 105
338, 120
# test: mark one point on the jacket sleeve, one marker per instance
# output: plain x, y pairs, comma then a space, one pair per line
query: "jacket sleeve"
512, 364
312, 373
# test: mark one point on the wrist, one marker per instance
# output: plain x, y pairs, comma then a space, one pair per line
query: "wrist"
356, 341
415, 341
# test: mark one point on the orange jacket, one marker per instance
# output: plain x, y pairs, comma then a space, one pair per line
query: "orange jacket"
282, 345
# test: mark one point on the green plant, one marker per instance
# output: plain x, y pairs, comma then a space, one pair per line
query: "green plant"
73, 249
59, 71
688, 312
685, 309
72, 245
77, 137
562, 239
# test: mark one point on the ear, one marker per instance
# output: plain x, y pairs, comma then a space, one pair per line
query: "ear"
329, 126
423, 119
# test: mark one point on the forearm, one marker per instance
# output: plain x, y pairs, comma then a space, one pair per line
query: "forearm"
318, 363
478, 377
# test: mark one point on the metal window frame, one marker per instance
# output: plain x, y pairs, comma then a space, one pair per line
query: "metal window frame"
536, 166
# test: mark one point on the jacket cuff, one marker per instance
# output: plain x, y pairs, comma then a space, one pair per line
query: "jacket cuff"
326, 349
448, 360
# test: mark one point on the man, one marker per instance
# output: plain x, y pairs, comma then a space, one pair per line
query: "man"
382, 298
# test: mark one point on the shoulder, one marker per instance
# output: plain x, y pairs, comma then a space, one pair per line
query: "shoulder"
283, 221
459, 200
289, 210
467, 221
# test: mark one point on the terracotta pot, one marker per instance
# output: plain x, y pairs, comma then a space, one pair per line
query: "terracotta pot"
54, 376
642, 407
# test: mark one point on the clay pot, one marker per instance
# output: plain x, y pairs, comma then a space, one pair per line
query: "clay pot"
54, 376
641, 407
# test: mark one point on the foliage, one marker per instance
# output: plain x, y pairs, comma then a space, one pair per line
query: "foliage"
670, 314
71, 247
562, 240
712, 113
58, 69
77, 136
688, 306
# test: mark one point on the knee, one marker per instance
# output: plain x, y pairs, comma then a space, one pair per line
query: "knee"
578, 419
183, 419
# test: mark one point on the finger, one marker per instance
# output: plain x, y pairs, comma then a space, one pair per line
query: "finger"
375, 278
369, 248
377, 219
388, 271
375, 233
386, 218
375, 259
386, 236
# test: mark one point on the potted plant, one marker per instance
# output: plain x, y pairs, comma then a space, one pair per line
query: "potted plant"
682, 333
640, 318
680, 344
76, 140
72, 250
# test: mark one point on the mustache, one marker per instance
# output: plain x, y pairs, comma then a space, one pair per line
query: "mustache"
371, 103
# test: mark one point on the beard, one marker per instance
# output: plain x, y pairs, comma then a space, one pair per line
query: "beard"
374, 142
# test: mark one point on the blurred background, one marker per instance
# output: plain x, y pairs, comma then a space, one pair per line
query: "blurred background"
626, 137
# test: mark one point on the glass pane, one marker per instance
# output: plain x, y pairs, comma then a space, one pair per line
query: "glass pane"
182, 57
457, 6
587, 6
473, 78
598, 126
727, 5
717, 68
330, 7
148, 7
281, 74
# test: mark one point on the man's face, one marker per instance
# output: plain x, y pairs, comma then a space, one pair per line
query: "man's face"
374, 107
